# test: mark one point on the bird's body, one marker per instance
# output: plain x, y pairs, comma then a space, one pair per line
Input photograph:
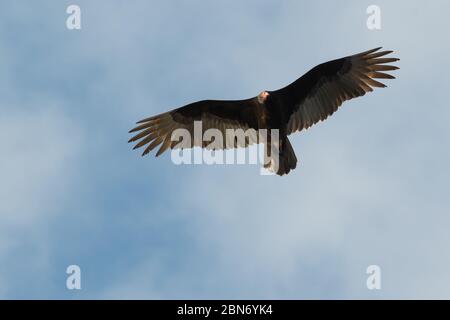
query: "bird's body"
308, 100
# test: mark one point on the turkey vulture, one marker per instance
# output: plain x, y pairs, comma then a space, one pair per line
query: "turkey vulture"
306, 101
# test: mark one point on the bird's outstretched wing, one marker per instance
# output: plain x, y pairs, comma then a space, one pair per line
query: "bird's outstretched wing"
318, 94
214, 114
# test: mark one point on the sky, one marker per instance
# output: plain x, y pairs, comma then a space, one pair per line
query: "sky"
371, 186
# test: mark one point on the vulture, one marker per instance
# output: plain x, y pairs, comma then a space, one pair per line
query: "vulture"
296, 107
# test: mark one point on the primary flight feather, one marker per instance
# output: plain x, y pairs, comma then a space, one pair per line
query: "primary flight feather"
308, 100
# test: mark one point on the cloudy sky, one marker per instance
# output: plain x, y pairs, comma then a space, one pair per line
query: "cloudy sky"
371, 187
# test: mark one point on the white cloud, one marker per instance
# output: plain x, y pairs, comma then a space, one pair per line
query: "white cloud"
39, 153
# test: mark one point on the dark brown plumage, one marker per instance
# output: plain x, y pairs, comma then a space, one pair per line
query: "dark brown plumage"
308, 100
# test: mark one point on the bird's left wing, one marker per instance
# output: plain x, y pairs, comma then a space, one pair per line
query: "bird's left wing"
319, 93
213, 114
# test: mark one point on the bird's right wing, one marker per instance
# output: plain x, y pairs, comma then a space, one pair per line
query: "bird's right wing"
213, 114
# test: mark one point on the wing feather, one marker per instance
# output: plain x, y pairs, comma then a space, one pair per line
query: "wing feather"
213, 114
319, 93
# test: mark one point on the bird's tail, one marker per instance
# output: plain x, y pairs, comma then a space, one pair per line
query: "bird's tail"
283, 161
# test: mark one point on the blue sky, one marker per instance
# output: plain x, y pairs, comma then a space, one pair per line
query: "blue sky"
370, 188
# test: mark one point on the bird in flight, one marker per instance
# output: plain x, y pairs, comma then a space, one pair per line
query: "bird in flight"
296, 107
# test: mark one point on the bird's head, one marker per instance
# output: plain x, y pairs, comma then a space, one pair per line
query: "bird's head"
262, 97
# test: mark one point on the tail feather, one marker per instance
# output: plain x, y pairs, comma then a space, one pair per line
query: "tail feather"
286, 161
